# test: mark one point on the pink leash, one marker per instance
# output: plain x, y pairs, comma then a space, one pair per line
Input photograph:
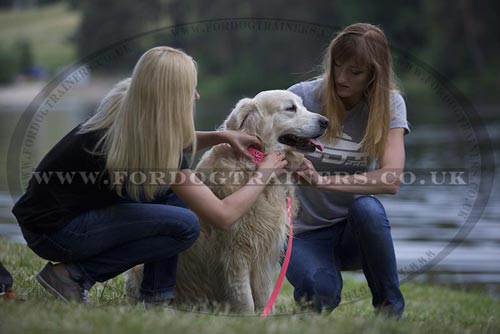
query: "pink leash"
284, 267
257, 158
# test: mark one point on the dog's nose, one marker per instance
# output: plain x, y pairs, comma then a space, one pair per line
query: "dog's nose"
323, 122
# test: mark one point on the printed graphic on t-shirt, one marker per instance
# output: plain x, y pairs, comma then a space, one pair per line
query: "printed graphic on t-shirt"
346, 152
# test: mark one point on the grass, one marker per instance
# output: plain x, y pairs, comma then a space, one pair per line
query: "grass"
431, 309
48, 29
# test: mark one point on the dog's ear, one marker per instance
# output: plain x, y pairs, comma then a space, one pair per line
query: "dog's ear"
245, 116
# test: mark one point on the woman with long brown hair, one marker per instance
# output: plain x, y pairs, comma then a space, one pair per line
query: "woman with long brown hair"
341, 225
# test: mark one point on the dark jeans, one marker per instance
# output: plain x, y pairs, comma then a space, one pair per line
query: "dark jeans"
6, 279
364, 241
101, 244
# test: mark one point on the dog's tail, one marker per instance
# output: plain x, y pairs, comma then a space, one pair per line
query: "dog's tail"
133, 280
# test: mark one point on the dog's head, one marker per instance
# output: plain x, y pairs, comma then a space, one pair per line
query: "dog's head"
281, 121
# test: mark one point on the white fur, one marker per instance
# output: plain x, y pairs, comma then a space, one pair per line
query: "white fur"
236, 268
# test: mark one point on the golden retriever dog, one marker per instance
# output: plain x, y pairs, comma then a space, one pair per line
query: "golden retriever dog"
235, 268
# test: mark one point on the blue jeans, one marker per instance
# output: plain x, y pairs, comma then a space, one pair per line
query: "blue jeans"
101, 244
364, 241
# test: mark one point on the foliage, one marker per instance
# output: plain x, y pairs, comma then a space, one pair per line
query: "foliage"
44, 35
432, 309
15, 59
455, 39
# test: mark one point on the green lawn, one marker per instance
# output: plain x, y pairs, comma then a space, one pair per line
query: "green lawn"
430, 309
48, 29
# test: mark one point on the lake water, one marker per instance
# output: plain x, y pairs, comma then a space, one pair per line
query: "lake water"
424, 218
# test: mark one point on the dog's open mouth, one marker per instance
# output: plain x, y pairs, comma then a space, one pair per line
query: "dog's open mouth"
301, 143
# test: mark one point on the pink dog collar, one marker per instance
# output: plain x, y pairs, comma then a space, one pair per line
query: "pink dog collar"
257, 155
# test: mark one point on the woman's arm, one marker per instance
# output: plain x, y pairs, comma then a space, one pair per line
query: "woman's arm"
239, 141
384, 180
222, 213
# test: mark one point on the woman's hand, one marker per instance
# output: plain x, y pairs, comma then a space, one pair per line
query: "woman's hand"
273, 164
308, 175
222, 213
240, 142
222, 149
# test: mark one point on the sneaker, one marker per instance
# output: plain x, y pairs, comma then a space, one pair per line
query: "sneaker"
389, 315
165, 306
57, 280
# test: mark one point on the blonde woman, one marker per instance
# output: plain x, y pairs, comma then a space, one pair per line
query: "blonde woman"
341, 225
127, 169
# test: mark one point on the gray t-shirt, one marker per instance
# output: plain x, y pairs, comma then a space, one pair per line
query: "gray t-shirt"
322, 208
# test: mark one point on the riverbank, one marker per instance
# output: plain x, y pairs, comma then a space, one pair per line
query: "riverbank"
432, 309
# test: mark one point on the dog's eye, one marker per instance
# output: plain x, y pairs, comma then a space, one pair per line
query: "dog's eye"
292, 108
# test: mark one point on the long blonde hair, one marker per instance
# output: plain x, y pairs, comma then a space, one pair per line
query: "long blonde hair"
147, 121
367, 45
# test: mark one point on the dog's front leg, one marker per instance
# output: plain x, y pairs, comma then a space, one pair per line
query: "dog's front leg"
263, 284
239, 292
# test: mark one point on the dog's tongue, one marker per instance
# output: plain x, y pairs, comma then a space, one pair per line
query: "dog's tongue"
317, 144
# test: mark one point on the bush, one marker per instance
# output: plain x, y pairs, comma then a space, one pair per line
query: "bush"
25, 56
8, 65
15, 59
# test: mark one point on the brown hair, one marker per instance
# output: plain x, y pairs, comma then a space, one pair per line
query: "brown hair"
367, 45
